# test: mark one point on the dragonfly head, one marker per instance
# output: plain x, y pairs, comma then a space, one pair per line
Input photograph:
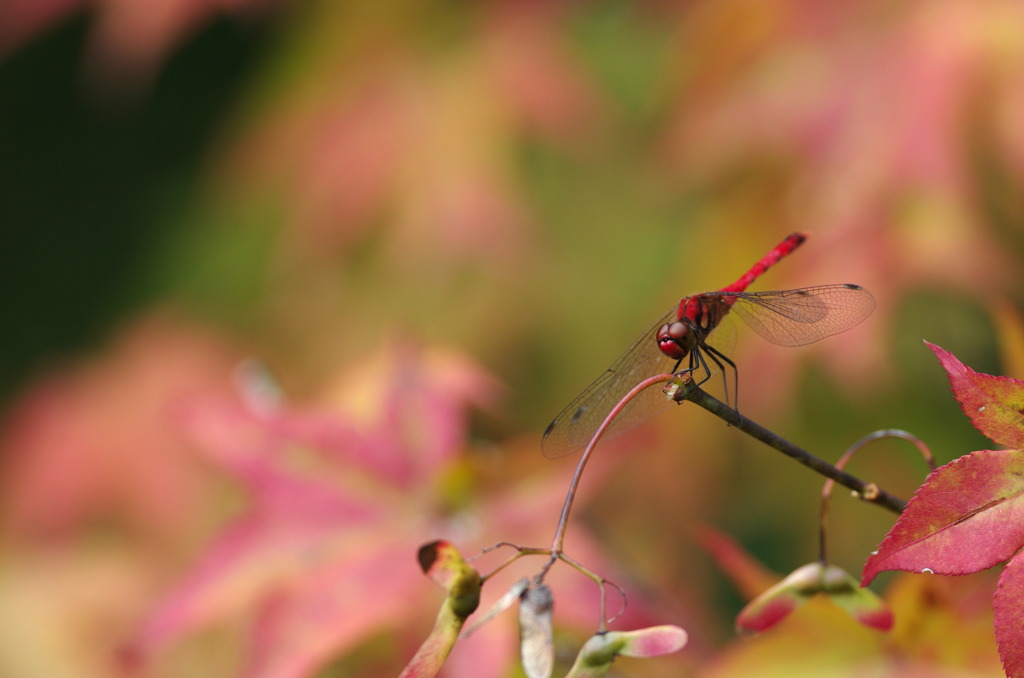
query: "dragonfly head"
675, 339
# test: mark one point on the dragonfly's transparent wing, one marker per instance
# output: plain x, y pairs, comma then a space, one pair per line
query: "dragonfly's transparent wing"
788, 318
805, 315
573, 428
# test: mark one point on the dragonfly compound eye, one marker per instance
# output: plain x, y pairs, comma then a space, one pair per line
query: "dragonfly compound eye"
672, 338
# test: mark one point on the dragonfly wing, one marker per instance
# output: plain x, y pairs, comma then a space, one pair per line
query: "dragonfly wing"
804, 315
573, 428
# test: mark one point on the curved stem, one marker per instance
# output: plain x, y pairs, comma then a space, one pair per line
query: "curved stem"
826, 490
563, 520
680, 387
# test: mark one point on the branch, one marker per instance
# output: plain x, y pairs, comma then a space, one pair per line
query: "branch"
866, 491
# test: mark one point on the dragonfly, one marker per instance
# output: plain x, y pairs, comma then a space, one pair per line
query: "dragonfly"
788, 318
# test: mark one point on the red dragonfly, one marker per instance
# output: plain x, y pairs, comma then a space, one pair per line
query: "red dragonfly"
787, 318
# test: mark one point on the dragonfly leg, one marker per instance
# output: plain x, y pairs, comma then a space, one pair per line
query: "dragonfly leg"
676, 372
694, 364
697, 359
718, 357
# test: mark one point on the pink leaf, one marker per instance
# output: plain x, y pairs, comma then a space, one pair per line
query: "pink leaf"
968, 516
597, 654
93, 440
1008, 606
652, 642
775, 604
318, 615
995, 405
745, 572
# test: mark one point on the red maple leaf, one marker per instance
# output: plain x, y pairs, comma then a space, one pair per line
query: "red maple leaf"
969, 514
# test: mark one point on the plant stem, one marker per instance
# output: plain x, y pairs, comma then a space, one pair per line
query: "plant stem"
563, 520
866, 491
826, 491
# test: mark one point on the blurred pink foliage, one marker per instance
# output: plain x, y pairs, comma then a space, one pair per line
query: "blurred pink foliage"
392, 148
427, 142
94, 443
339, 501
325, 552
874, 111
868, 119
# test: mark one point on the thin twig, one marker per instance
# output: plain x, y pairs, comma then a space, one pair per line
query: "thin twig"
866, 491
563, 520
